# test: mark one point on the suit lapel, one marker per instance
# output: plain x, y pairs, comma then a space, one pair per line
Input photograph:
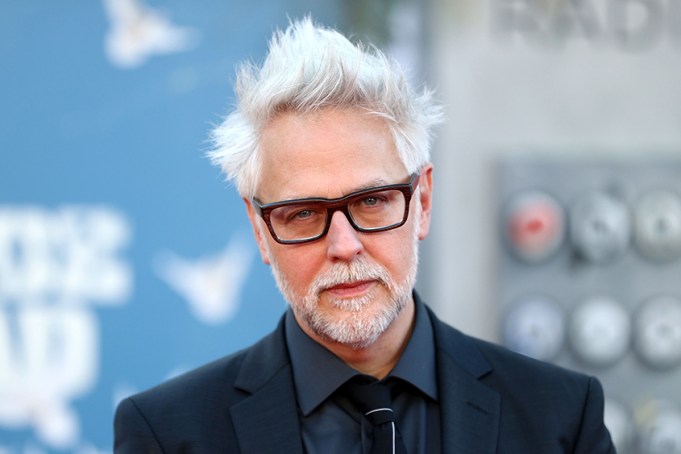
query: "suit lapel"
267, 420
469, 410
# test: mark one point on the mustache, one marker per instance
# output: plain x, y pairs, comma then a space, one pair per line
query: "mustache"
347, 273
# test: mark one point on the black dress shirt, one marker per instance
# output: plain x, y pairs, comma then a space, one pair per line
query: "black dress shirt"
330, 424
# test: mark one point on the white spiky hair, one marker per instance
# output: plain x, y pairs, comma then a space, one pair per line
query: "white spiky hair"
308, 68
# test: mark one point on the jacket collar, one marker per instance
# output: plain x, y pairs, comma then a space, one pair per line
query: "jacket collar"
469, 410
267, 420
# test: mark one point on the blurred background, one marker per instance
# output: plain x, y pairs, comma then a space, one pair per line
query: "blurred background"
125, 258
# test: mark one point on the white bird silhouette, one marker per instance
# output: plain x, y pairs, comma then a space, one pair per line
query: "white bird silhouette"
211, 284
137, 32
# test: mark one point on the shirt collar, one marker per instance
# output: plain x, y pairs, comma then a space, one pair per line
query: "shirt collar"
317, 372
417, 363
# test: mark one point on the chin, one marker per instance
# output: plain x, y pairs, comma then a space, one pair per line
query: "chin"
358, 329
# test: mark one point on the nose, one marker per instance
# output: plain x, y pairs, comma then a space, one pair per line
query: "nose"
343, 242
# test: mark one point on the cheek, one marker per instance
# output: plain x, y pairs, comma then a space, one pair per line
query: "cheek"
299, 265
393, 250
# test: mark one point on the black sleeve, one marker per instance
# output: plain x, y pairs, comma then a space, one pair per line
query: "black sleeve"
593, 436
132, 432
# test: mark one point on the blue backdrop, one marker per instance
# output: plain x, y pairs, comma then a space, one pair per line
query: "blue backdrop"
124, 256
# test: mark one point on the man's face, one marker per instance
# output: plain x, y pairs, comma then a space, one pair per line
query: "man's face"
347, 287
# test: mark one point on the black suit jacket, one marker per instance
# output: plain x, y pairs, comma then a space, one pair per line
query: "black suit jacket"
491, 400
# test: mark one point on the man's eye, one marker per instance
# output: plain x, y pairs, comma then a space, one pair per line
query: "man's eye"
302, 214
373, 201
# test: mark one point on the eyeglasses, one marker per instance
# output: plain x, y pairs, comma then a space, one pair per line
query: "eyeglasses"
369, 210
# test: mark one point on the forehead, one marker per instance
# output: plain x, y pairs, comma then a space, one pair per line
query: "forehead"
328, 153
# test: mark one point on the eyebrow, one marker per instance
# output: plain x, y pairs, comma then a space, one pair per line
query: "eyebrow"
369, 185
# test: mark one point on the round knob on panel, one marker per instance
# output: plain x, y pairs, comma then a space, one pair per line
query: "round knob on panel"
660, 428
657, 332
535, 327
657, 225
534, 226
599, 226
600, 331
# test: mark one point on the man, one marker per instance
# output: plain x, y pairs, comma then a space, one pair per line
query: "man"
329, 149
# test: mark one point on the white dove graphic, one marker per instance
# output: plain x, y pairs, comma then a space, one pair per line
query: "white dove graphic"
137, 32
210, 284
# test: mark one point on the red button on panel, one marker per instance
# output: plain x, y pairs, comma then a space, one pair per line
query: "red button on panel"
534, 226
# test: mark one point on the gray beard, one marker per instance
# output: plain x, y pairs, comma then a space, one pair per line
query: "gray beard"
360, 326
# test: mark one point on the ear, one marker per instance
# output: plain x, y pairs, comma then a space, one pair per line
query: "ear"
425, 195
258, 227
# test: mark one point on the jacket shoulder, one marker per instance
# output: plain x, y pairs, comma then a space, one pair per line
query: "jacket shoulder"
216, 376
482, 358
542, 405
186, 410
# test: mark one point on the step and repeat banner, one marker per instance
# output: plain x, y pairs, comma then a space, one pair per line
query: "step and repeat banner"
125, 258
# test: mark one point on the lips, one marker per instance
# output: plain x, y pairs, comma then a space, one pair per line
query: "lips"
350, 289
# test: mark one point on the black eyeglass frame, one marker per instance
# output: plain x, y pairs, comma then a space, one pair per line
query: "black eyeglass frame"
341, 203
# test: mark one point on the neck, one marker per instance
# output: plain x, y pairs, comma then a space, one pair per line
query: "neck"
379, 358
